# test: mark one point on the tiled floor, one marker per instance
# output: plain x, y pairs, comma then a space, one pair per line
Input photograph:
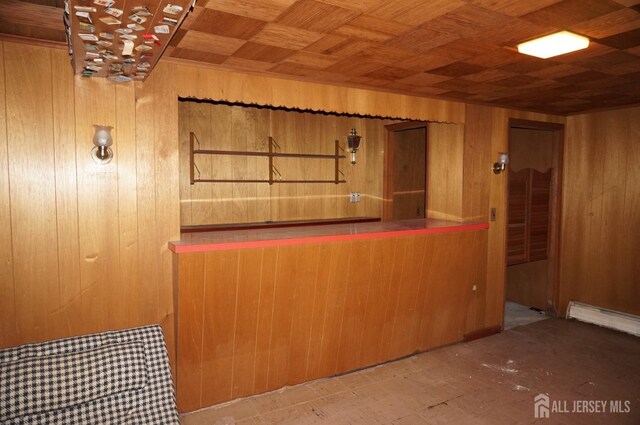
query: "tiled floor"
489, 381
517, 315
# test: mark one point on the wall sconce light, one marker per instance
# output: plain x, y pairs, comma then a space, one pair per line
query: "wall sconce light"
501, 165
102, 153
354, 144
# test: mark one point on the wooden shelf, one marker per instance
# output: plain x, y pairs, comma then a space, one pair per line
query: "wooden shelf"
271, 154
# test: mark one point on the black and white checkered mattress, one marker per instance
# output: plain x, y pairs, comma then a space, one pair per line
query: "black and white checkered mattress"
117, 377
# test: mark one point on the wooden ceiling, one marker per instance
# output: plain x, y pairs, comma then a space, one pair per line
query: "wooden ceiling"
456, 49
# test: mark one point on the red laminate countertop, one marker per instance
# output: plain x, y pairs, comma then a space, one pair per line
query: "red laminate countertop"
259, 238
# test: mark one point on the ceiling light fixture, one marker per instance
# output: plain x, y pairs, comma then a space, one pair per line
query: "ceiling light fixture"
554, 45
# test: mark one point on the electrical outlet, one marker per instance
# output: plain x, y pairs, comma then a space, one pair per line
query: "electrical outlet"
354, 197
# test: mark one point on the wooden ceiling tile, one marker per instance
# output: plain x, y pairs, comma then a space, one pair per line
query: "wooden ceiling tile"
495, 58
315, 16
357, 5
415, 12
288, 37
571, 12
372, 28
52, 3
610, 24
424, 79
586, 76
33, 31
262, 52
625, 68
421, 40
292, 69
488, 75
628, 3
514, 8
463, 48
514, 32
526, 64
312, 60
342, 48
19, 13
329, 77
227, 24
430, 91
604, 84
196, 40
466, 20
191, 18
389, 73
265, 10
625, 40
368, 81
177, 37
518, 81
424, 62
605, 62
570, 102
457, 69
198, 56
353, 69
456, 95
594, 49
557, 71
247, 64
383, 54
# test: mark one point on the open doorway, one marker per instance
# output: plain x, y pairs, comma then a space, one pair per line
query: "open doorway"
405, 183
534, 196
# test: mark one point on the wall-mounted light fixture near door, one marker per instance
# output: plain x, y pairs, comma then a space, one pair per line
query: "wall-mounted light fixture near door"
102, 153
501, 165
354, 144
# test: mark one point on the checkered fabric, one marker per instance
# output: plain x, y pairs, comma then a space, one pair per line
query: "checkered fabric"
114, 377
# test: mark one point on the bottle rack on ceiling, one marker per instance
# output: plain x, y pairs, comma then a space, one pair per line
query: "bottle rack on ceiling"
120, 40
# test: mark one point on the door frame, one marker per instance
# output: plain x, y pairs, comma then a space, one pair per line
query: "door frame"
553, 258
389, 149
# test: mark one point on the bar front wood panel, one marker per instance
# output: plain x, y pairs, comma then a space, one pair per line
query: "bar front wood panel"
255, 320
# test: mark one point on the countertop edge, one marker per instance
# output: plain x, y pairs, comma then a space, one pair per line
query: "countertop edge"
179, 248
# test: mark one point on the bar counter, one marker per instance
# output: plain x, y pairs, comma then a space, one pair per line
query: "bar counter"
261, 238
259, 309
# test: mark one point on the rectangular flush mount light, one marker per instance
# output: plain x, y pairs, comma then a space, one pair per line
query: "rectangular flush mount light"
554, 45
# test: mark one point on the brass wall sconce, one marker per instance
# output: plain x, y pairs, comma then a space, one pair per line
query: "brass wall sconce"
353, 141
501, 165
101, 152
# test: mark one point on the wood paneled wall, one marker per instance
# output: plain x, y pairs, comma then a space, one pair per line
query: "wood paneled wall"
254, 320
487, 134
97, 258
83, 247
445, 171
239, 128
202, 82
600, 245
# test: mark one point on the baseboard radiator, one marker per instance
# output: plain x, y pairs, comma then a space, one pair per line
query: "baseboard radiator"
604, 317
